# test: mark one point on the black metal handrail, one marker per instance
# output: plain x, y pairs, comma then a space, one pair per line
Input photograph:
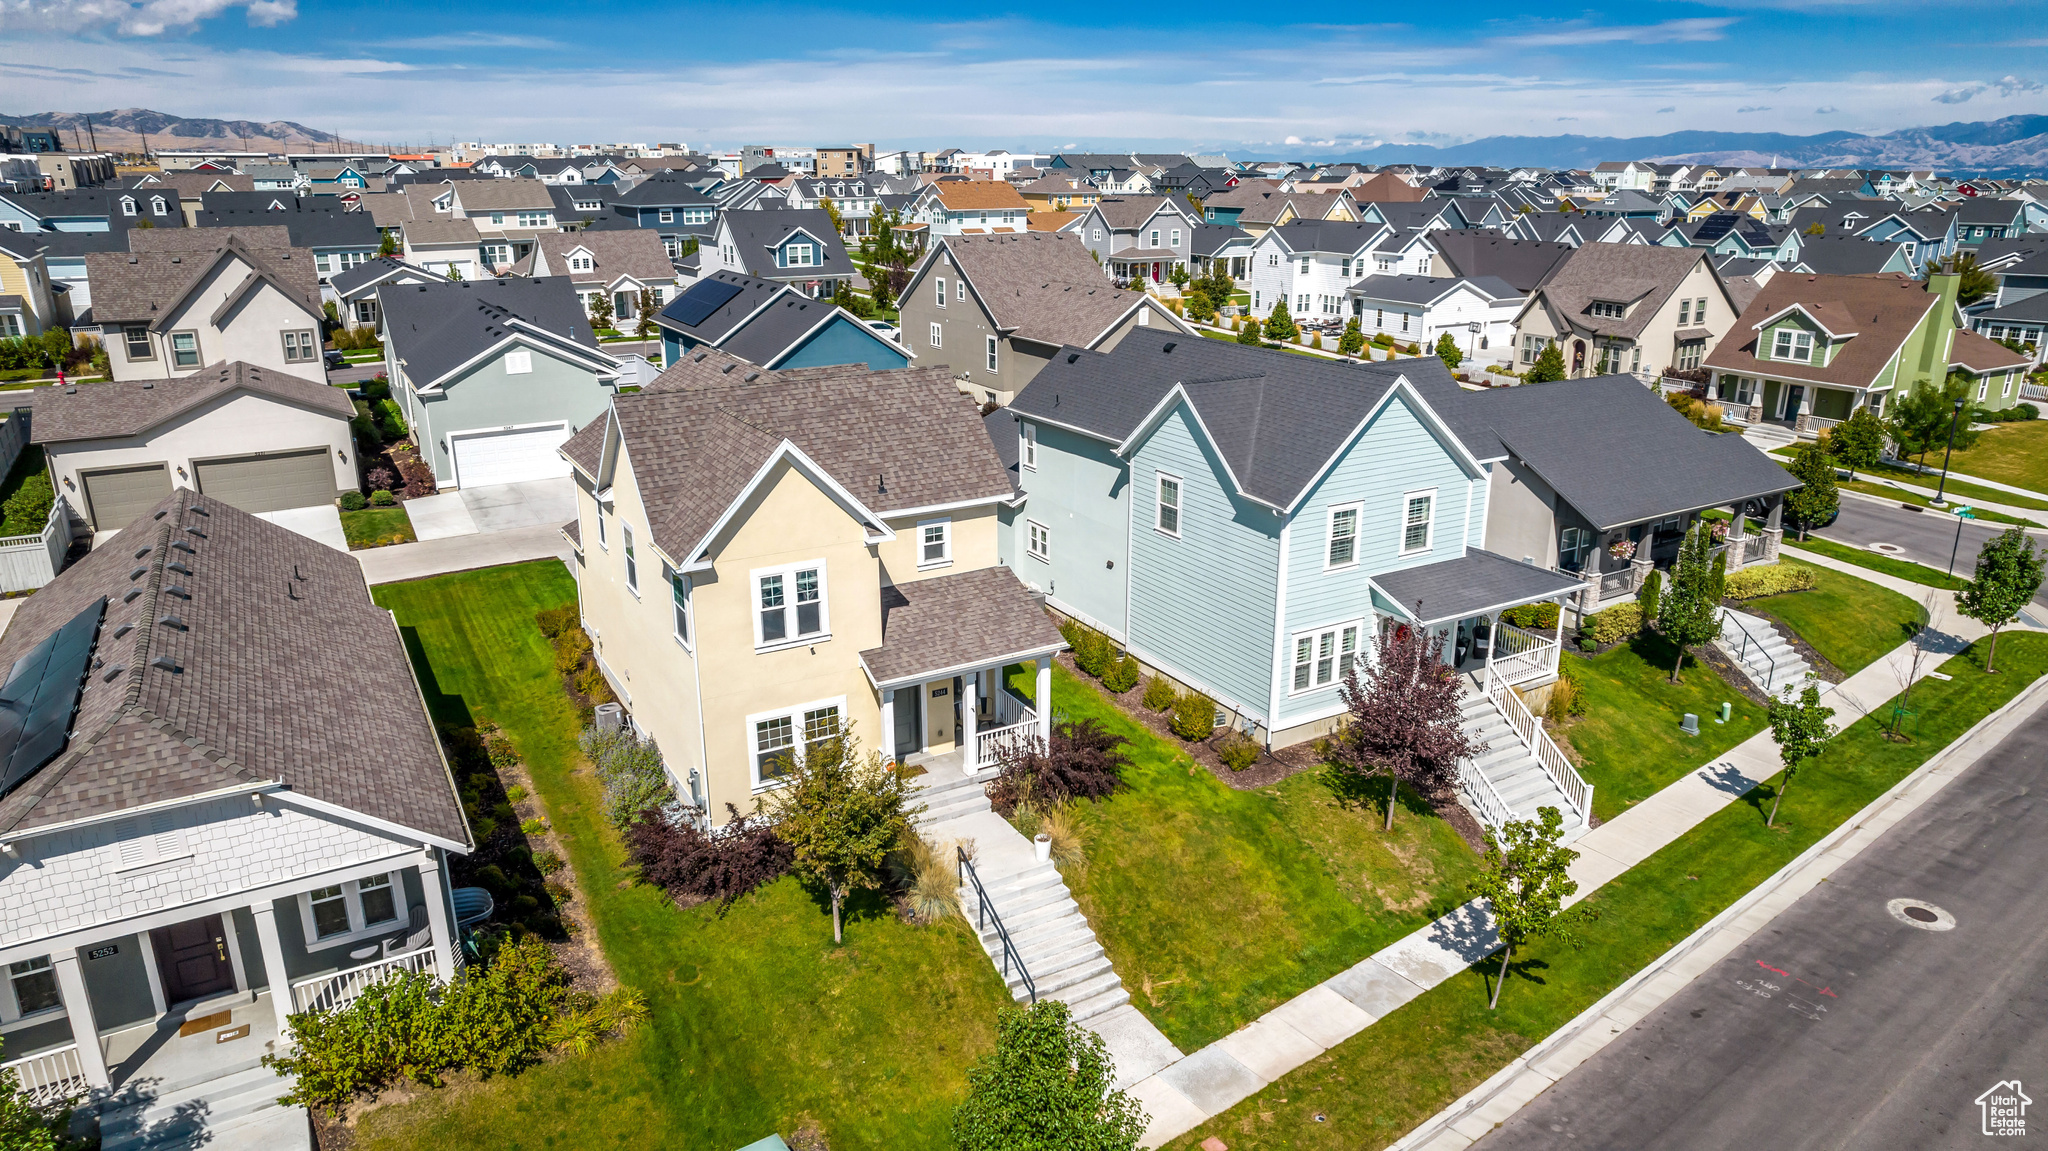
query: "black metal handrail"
1770, 665
986, 913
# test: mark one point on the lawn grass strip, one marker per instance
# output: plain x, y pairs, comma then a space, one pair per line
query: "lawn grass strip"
1525, 1077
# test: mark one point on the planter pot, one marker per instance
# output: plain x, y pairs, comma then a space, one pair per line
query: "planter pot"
1041, 847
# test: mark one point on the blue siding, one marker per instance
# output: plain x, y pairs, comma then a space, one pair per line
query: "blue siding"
1202, 605
845, 342
1078, 493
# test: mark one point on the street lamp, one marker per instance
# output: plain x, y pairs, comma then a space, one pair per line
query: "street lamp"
1939, 502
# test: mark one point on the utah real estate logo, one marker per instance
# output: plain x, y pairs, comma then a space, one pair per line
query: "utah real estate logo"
2005, 1109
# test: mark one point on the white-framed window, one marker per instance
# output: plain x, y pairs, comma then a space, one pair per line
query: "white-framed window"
1572, 545
1154, 241
1699, 310
1983, 388
1038, 541
632, 559
30, 990
989, 345
321, 263
518, 363
941, 282
960, 289
300, 348
1606, 309
1418, 521
1098, 235
602, 541
1342, 550
366, 311
11, 326
127, 205
783, 738
667, 216
497, 217
1386, 263
1792, 344
341, 913
2006, 390
1304, 265
184, 349
679, 603
1272, 259
1325, 656
1684, 312
580, 262
533, 219
1532, 347
934, 543
790, 605
1166, 510
938, 338
1027, 446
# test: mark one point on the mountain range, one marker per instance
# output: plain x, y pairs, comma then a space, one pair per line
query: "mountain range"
124, 130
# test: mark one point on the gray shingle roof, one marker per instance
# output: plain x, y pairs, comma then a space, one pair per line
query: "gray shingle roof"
130, 407
626, 252
952, 621
1476, 582
285, 670
1429, 289
1486, 252
146, 287
1845, 255
308, 228
369, 273
435, 328
784, 322
1043, 286
756, 233
1341, 237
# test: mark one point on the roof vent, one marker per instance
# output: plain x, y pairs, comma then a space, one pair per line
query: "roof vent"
178, 590
171, 621
114, 672
727, 370
138, 573
160, 513
167, 663
132, 593
140, 552
197, 510
182, 546
134, 260
179, 567
194, 529
123, 630
177, 259
72, 390
147, 385
1073, 356
1167, 346
751, 377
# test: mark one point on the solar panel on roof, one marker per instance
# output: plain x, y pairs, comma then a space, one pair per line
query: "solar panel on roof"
696, 305
40, 695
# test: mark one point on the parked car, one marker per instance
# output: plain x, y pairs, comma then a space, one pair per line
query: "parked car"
887, 329
335, 359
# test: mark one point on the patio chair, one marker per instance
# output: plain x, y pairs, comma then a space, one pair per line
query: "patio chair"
418, 933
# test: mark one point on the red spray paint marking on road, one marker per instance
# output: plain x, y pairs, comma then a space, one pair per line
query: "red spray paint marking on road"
1827, 991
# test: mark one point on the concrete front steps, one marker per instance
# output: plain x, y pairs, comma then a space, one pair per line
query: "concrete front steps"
1766, 436
947, 793
1762, 652
1510, 765
238, 1111
1053, 939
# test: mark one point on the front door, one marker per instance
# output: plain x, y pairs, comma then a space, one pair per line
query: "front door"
1578, 358
193, 959
907, 727
1794, 394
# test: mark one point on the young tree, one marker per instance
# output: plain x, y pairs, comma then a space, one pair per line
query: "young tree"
1689, 614
1816, 229
1922, 421
1858, 442
1648, 595
840, 813
1280, 327
2008, 574
1448, 351
644, 326
1525, 879
1352, 341
1050, 1085
1178, 277
388, 244
1977, 283
1249, 333
1549, 365
1800, 726
600, 309
1406, 722
1819, 498
832, 213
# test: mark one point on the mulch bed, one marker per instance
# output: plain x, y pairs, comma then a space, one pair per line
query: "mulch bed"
1270, 768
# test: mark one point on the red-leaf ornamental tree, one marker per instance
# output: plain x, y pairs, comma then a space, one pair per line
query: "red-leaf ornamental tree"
1405, 720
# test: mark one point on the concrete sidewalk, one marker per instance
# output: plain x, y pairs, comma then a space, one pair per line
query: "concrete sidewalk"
461, 553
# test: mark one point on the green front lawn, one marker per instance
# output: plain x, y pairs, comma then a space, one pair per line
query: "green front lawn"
1228, 903
1851, 621
758, 1023
2015, 453
1628, 742
1958, 490
377, 527
1878, 562
1369, 1090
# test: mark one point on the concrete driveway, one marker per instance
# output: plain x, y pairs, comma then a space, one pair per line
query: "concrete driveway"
499, 508
321, 523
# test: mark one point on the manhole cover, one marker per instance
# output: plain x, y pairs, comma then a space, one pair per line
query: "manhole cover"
1921, 914
1888, 549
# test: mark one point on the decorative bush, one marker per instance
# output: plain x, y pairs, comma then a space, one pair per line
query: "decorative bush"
1622, 549
1615, 624
1093, 651
1084, 760
1194, 716
382, 499
352, 501
547, 862
1566, 699
631, 771
1751, 583
1159, 693
929, 877
694, 865
29, 507
1238, 751
1532, 616
535, 826
1123, 675
556, 620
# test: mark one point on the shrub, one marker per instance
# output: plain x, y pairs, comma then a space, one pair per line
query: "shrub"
1751, 583
546, 862
1615, 624
1383, 340
534, 826
1123, 675
630, 770
1566, 699
515, 793
556, 620
571, 648
692, 864
29, 507
1159, 693
929, 877
381, 498
381, 477
353, 501
1083, 760
1194, 716
1238, 751
1093, 651
1068, 854
1532, 616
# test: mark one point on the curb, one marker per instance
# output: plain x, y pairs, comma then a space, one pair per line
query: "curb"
1506, 1091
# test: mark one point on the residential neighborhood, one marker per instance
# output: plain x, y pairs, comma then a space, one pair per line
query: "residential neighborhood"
970, 640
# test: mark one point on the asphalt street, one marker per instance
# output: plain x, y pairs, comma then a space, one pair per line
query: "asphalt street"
1926, 537
355, 373
1841, 1024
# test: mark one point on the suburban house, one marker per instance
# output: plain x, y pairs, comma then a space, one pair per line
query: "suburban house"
1478, 312
1810, 350
1059, 192
770, 325
765, 562
493, 375
1992, 371
1637, 308
447, 247
580, 205
173, 313
616, 264
338, 240
1983, 218
355, 291
1311, 264
1849, 256
508, 215
191, 187
964, 207
669, 204
259, 439
2017, 312
225, 802
1226, 244
1137, 235
997, 308
792, 246
28, 297
1474, 252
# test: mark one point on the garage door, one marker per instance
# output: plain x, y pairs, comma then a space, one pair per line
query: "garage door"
508, 456
271, 482
118, 497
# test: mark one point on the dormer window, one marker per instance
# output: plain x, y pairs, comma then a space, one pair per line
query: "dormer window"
580, 262
156, 205
1792, 344
1607, 310
127, 205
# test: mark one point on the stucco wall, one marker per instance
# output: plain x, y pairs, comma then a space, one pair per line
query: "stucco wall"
486, 396
252, 331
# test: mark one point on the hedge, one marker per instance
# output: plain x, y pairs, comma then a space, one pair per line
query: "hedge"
1753, 583
1616, 623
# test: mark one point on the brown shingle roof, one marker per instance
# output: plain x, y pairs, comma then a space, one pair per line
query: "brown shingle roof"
1881, 310
1127, 212
280, 669
1983, 354
503, 196
130, 407
1043, 286
972, 195
953, 621
1640, 275
442, 231
146, 287
635, 252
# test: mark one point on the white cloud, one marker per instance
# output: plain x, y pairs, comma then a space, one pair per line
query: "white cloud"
1827, 110
1667, 108
1689, 30
1292, 140
2005, 86
1748, 108
148, 18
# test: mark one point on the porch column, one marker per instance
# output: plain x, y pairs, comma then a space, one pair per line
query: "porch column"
1043, 698
1774, 530
1738, 531
85, 1029
1589, 594
1492, 642
1557, 641
265, 914
437, 915
969, 733
888, 727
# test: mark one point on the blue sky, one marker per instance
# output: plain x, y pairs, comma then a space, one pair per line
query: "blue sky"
1139, 73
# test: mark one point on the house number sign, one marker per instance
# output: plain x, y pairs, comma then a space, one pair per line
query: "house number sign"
103, 952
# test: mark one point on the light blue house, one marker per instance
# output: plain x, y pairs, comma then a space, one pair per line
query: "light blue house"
772, 325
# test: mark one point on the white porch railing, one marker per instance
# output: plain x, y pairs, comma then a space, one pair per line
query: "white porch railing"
990, 746
1576, 790
1486, 803
1520, 655
331, 992
49, 1076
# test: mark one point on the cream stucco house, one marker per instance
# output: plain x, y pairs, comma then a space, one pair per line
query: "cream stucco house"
172, 313
764, 558
1636, 308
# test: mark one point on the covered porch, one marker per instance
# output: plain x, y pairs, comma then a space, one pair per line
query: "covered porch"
1466, 601
1613, 563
